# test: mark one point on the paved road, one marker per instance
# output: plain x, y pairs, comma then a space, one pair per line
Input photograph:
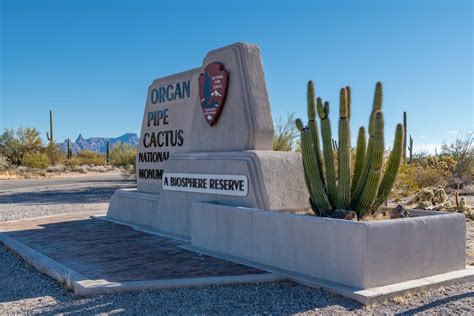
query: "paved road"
12, 185
20, 199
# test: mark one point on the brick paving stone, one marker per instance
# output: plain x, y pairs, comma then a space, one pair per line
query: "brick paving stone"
117, 253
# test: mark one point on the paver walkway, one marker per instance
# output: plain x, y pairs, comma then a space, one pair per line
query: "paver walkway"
102, 250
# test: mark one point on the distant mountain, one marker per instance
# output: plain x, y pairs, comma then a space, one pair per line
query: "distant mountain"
99, 144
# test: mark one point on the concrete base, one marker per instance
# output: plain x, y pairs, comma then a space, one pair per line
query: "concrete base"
275, 182
370, 296
359, 255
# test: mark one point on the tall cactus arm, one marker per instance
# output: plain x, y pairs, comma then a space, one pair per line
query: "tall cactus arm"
317, 190
344, 155
313, 128
391, 170
404, 153
323, 113
369, 192
349, 98
377, 106
360, 158
49, 135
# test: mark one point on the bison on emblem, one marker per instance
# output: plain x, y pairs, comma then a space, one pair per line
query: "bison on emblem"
212, 91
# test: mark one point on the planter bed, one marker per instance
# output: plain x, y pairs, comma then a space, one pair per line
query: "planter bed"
359, 255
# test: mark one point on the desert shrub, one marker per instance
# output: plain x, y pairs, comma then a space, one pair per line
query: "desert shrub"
54, 154
462, 152
285, 133
89, 157
123, 155
36, 160
436, 198
72, 163
406, 183
427, 177
15, 144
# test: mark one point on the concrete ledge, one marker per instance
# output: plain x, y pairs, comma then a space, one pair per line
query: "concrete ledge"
359, 255
132, 206
81, 285
369, 296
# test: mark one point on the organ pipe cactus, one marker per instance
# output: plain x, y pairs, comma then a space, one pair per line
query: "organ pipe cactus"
369, 189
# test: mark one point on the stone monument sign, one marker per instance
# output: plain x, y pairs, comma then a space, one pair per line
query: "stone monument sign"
207, 136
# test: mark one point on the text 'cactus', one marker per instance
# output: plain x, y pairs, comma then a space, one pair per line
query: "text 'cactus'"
366, 189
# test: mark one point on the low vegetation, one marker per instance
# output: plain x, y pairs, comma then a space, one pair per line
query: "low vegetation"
23, 154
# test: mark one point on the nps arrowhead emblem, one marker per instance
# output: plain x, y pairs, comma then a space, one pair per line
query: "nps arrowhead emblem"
212, 91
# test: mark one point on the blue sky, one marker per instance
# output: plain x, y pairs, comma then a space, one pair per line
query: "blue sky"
92, 61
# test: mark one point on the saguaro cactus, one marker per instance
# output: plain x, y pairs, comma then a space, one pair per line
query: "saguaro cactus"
404, 136
368, 189
410, 149
69, 151
50, 136
107, 152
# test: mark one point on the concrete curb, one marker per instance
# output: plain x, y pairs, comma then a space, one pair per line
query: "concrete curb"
368, 296
81, 285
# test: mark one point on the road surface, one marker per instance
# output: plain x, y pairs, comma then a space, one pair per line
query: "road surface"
28, 198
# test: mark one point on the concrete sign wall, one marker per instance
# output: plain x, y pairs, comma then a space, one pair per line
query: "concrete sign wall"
174, 121
208, 132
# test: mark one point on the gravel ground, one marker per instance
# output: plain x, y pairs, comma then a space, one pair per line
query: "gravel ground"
23, 290
57, 196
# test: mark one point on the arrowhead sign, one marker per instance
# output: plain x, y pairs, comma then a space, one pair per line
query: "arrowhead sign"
212, 91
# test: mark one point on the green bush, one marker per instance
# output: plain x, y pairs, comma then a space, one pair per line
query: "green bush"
36, 160
89, 157
123, 155
15, 144
285, 134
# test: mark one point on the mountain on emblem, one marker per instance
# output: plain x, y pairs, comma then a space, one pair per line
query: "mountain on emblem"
212, 91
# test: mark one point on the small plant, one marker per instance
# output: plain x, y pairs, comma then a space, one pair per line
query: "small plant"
89, 157
36, 160
123, 155
368, 189
285, 134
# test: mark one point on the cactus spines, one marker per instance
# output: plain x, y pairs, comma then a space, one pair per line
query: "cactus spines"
317, 189
313, 127
323, 113
344, 155
404, 154
360, 157
369, 192
410, 149
392, 168
50, 136
107, 152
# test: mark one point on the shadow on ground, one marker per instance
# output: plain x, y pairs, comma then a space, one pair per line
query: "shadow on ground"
73, 196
